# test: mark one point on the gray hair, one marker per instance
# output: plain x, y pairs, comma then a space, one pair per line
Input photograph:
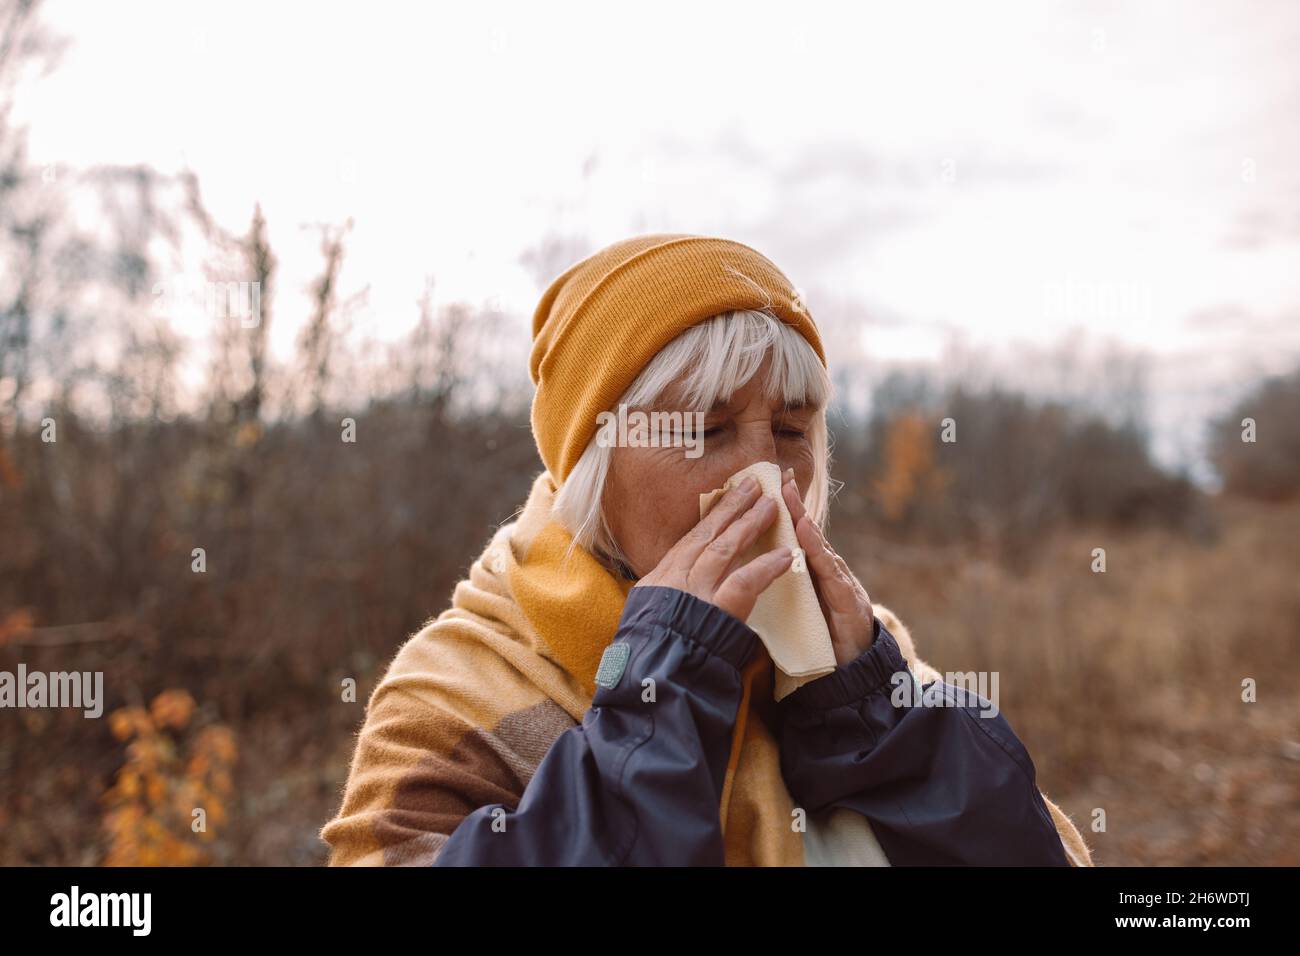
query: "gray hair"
714, 359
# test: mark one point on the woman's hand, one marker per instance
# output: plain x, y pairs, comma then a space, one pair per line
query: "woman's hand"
706, 561
844, 600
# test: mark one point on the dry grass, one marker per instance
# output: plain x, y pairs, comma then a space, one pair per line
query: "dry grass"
1127, 686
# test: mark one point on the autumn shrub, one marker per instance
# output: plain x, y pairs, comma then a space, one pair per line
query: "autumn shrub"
173, 790
1004, 469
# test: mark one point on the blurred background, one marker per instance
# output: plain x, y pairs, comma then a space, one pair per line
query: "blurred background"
1072, 228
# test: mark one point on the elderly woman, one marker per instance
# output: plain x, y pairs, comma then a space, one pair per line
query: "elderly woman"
595, 695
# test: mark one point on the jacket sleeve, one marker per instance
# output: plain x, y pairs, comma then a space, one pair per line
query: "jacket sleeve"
639, 781
940, 785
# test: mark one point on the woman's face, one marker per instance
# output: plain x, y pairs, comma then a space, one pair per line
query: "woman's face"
652, 495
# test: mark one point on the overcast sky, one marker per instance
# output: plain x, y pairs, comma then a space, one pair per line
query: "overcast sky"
1000, 173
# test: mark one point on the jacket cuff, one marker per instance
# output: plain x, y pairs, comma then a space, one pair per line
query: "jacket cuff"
867, 673
690, 618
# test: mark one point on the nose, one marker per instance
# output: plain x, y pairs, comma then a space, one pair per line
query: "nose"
759, 444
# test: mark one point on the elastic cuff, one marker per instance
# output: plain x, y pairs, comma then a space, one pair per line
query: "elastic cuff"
686, 616
867, 673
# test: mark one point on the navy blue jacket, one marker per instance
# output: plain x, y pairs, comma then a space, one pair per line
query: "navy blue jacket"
639, 782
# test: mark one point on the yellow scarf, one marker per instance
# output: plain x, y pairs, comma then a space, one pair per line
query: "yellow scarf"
471, 703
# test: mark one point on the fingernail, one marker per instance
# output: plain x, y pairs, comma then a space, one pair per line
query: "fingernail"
789, 474
748, 485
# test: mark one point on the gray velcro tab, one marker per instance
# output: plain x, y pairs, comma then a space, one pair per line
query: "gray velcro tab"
612, 664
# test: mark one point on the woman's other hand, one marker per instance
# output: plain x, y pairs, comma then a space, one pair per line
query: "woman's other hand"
844, 600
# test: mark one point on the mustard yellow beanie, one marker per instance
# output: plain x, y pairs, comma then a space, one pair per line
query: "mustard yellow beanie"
602, 321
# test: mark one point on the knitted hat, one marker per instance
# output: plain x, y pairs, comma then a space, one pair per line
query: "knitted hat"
602, 321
